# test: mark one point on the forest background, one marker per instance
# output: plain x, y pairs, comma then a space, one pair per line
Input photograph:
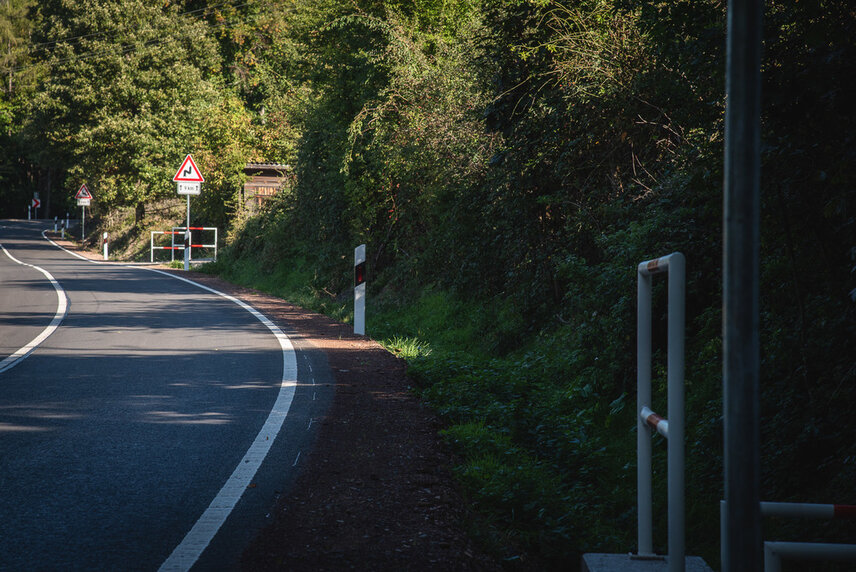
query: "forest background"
508, 163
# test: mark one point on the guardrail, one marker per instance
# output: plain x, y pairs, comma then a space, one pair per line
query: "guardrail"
775, 551
173, 246
647, 420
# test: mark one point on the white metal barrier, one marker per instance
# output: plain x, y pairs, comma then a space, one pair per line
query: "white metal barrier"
178, 231
171, 248
774, 552
673, 428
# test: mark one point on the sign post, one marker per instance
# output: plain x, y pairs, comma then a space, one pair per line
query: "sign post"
84, 199
187, 249
189, 181
360, 290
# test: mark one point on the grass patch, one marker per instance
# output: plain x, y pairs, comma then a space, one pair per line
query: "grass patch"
294, 281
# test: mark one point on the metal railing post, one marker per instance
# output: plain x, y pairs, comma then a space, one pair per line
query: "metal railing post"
644, 469
675, 265
675, 361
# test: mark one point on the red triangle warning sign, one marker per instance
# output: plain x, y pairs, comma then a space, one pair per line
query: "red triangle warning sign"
188, 172
83, 192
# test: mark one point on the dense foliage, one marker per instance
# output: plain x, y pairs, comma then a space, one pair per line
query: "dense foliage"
508, 163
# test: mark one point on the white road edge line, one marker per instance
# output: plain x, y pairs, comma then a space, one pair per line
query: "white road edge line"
61, 309
185, 555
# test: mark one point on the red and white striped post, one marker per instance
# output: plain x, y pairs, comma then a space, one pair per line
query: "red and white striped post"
360, 290
673, 429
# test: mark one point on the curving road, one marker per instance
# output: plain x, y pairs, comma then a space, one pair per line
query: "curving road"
141, 417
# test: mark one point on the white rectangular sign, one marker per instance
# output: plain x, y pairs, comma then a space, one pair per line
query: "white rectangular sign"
189, 188
83, 202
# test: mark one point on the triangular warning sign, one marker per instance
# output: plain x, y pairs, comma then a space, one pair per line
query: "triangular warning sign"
188, 172
83, 192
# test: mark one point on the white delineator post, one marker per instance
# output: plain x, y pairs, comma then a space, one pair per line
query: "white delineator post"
105, 245
646, 419
55, 219
360, 290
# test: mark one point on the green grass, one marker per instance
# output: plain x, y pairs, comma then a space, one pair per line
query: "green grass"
292, 282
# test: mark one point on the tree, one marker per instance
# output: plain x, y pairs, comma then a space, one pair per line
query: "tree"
130, 85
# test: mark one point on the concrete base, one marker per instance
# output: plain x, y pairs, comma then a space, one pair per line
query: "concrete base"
624, 563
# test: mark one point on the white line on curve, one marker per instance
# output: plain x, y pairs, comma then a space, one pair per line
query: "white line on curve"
185, 555
61, 308
195, 542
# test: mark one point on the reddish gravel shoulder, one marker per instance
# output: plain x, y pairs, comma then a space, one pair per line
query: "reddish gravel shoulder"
377, 492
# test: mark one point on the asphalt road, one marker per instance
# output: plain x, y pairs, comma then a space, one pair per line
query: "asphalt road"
119, 430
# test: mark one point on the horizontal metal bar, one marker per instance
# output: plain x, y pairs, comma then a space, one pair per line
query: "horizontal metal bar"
813, 550
657, 265
655, 421
807, 510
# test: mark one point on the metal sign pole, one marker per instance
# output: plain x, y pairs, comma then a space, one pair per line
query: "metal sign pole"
187, 237
187, 248
82, 223
742, 546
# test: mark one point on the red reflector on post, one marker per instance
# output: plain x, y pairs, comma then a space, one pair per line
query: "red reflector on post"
360, 273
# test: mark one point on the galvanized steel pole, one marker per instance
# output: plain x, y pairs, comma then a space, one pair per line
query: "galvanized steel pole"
675, 369
644, 478
742, 546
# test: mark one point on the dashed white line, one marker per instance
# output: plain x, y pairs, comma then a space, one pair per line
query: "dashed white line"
296, 459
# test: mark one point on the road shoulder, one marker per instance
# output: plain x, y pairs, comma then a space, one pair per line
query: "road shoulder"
376, 492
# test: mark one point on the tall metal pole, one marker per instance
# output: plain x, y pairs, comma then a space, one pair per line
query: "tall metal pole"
644, 478
676, 411
742, 545
187, 234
